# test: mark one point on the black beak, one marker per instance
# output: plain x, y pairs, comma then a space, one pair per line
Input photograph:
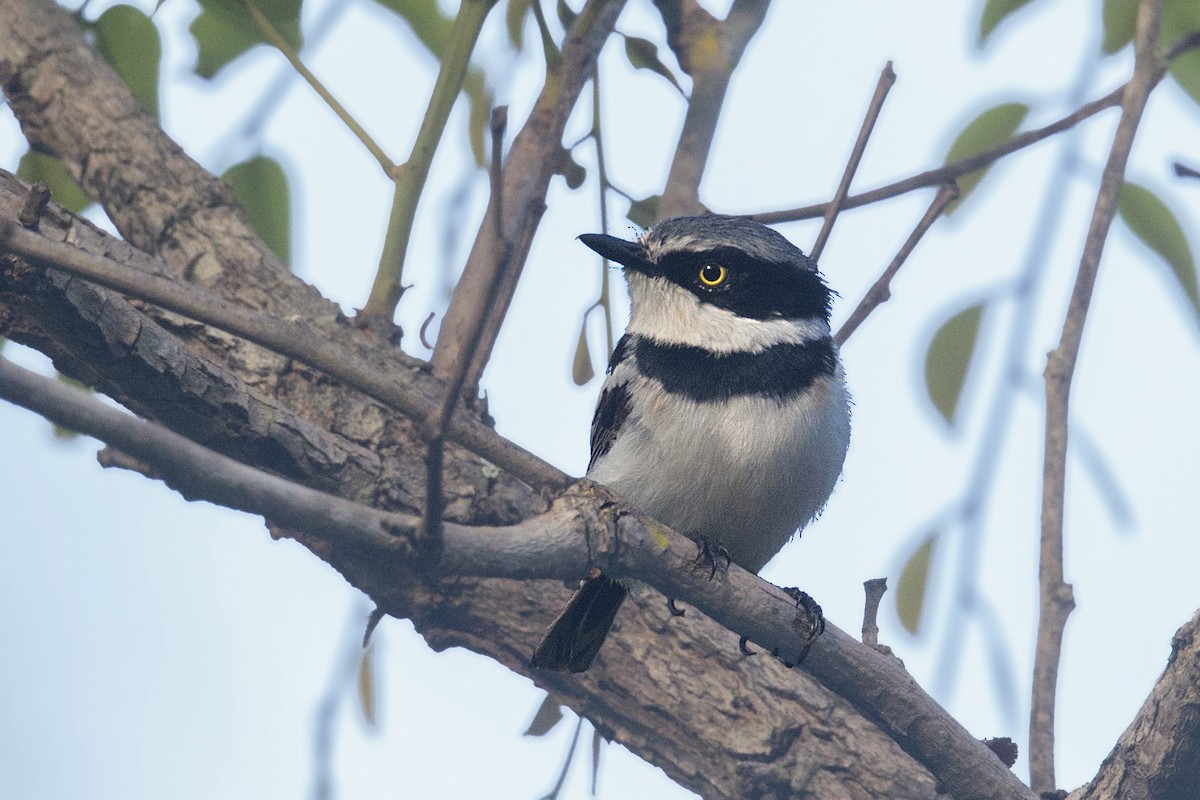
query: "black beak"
627, 254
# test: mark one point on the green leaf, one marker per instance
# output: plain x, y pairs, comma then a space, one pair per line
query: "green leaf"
643, 212
581, 364
548, 715
995, 12
1120, 18
1157, 226
224, 30
1179, 18
643, 54
566, 15
35, 166
261, 186
367, 698
990, 129
948, 357
128, 40
514, 19
913, 586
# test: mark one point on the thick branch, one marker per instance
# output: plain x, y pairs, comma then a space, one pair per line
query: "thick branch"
292, 338
1056, 597
1158, 755
620, 541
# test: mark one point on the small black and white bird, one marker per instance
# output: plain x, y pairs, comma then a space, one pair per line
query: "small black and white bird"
725, 413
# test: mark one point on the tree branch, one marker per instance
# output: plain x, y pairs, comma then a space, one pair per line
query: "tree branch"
410, 177
292, 338
949, 172
791, 732
1056, 597
617, 539
886, 78
1158, 755
692, 34
527, 172
881, 291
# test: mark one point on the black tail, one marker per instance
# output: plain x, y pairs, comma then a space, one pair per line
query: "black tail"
575, 637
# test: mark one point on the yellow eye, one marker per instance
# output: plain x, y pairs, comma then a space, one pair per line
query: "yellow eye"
712, 275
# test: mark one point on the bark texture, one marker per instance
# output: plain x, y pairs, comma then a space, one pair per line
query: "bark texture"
1158, 755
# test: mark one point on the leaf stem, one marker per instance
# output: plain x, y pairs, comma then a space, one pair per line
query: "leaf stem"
275, 38
410, 177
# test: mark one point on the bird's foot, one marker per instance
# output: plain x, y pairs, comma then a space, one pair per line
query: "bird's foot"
675, 610
744, 649
816, 617
711, 555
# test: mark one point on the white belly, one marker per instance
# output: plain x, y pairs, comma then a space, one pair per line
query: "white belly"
746, 473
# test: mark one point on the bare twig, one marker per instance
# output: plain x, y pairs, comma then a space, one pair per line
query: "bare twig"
710, 81
880, 291
435, 425
886, 78
956, 170
530, 164
874, 590
997, 433
950, 172
1056, 597
597, 136
292, 338
410, 177
281, 44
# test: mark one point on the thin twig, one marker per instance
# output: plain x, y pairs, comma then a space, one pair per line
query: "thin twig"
281, 44
411, 176
603, 301
881, 291
1056, 597
956, 170
435, 426
886, 78
529, 167
949, 172
997, 433
291, 338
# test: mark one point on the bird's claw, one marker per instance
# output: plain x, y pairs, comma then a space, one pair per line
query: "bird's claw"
712, 555
674, 609
743, 649
810, 607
